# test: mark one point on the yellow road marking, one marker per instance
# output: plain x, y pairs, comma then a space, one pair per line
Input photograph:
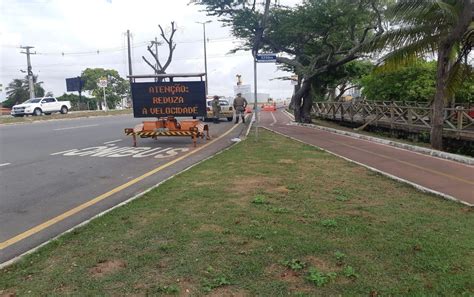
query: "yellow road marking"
97, 199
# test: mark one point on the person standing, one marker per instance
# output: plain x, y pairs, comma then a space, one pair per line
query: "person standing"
240, 103
216, 109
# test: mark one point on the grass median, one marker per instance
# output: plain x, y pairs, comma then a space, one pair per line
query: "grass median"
268, 218
71, 115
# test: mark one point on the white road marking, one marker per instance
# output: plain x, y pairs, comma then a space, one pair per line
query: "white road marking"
77, 127
291, 117
60, 153
4, 164
113, 141
274, 119
113, 151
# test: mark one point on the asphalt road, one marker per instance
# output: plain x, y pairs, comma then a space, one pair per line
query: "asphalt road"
49, 168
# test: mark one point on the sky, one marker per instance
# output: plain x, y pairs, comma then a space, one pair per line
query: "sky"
67, 34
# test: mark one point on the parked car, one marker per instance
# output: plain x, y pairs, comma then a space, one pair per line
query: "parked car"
227, 111
38, 106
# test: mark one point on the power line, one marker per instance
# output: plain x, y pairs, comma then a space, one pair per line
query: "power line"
113, 49
85, 65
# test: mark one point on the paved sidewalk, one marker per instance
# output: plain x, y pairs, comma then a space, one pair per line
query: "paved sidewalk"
450, 179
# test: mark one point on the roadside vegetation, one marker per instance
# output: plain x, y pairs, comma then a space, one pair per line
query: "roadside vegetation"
235, 224
70, 115
322, 41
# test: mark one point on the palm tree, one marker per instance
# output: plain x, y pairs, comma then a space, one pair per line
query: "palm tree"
422, 28
17, 91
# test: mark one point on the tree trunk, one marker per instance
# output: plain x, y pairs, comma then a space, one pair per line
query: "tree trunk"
443, 72
298, 102
306, 108
437, 119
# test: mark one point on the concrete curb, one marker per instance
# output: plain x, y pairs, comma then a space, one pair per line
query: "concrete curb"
63, 119
416, 186
413, 148
17, 258
252, 120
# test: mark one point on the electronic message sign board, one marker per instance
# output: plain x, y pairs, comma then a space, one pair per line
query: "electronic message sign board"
161, 99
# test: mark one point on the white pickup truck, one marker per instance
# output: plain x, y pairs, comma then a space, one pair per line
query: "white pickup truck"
38, 106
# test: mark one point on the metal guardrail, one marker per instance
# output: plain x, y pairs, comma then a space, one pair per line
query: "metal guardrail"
412, 117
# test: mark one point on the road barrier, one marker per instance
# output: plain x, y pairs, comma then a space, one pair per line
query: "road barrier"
167, 127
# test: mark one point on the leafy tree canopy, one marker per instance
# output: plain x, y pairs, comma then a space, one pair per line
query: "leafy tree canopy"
117, 87
78, 103
414, 82
315, 37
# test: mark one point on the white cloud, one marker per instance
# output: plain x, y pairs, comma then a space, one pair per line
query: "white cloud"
57, 26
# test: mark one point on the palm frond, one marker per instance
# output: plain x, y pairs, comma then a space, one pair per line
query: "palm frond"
402, 36
409, 54
436, 13
450, 12
455, 79
404, 8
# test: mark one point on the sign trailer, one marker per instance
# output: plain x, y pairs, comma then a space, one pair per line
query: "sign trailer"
165, 101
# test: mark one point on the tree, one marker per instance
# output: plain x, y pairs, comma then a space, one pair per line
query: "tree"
18, 91
117, 87
414, 82
425, 27
316, 37
234, 12
159, 68
411, 83
346, 77
83, 103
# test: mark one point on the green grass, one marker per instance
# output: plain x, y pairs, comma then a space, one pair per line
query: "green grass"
264, 218
78, 114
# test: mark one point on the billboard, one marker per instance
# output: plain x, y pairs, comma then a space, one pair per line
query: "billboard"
74, 84
161, 99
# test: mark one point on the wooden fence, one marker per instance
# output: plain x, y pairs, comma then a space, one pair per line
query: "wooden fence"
411, 117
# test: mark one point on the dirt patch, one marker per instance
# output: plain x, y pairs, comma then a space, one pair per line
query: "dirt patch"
359, 213
294, 279
187, 288
210, 228
228, 292
281, 190
252, 184
201, 183
107, 267
321, 264
286, 161
7, 293
243, 201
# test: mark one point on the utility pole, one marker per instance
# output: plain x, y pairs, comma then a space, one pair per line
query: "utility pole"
156, 43
129, 55
129, 60
30, 72
255, 104
205, 52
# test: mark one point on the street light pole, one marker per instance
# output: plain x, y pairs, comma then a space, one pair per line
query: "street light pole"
205, 51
